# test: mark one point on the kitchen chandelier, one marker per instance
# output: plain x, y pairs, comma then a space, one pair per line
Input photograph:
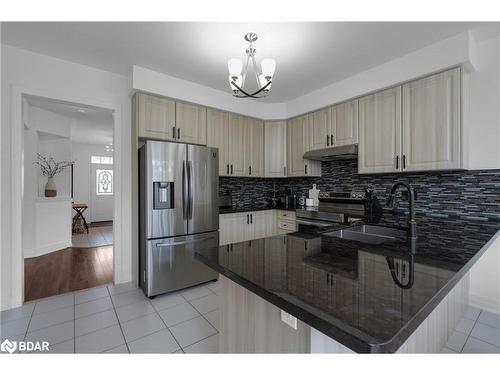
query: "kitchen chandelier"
237, 74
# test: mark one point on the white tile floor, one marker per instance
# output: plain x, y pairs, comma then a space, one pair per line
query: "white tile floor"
97, 236
119, 319
477, 332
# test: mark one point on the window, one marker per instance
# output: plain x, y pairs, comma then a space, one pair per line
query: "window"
104, 181
101, 159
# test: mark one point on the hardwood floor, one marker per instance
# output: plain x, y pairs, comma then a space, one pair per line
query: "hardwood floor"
67, 270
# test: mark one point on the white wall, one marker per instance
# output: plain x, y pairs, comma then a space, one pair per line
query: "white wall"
51, 227
84, 179
450, 52
24, 71
165, 85
484, 107
52, 132
485, 279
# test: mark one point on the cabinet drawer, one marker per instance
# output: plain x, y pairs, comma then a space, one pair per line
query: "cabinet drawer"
287, 215
287, 225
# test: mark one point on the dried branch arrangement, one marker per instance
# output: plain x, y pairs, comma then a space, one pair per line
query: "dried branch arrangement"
50, 167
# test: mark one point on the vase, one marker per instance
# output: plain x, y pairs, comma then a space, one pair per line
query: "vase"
50, 188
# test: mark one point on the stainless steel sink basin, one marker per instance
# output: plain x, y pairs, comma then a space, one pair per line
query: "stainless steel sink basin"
370, 234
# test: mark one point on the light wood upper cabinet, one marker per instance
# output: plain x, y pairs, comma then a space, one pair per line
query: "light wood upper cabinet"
237, 144
254, 148
414, 127
334, 126
218, 136
240, 141
380, 132
275, 149
431, 122
297, 144
344, 124
155, 117
320, 129
191, 123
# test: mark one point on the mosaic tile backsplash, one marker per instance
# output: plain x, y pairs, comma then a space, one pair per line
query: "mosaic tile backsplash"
468, 194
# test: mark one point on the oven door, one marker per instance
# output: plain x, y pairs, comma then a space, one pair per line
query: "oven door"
314, 226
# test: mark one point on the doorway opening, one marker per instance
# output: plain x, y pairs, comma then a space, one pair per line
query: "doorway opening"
68, 197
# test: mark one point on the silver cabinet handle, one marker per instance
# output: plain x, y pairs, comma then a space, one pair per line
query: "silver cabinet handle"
178, 133
173, 132
284, 171
327, 140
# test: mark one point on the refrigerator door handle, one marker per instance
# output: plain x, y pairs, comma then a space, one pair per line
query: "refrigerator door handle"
184, 242
190, 189
185, 188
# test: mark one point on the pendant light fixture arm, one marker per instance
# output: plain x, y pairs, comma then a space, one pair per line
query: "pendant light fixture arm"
254, 95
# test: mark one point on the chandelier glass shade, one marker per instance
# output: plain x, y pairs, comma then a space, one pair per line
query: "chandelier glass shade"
238, 72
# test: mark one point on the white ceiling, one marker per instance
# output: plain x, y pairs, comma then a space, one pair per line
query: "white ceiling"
308, 55
93, 126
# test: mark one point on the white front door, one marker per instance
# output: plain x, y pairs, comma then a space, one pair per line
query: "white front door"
102, 191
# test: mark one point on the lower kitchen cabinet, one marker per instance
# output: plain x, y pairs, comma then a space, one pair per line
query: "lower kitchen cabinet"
264, 223
245, 226
287, 222
234, 228
249, 324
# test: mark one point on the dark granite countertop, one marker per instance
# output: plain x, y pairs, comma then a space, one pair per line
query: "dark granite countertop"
249, 209
346, 289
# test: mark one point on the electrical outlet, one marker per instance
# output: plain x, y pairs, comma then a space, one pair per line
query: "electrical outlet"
289, 319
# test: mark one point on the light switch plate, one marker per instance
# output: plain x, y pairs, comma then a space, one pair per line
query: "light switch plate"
289, 319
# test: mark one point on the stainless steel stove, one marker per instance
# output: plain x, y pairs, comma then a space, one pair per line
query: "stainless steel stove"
336, 209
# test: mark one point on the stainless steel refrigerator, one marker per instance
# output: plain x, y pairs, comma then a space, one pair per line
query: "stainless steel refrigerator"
178, 206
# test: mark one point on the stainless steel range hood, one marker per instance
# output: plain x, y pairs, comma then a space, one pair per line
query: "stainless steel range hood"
333, 153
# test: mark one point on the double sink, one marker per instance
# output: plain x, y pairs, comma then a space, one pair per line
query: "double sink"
370, 234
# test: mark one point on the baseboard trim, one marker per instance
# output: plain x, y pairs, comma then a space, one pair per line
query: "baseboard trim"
36, 252
485, 303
